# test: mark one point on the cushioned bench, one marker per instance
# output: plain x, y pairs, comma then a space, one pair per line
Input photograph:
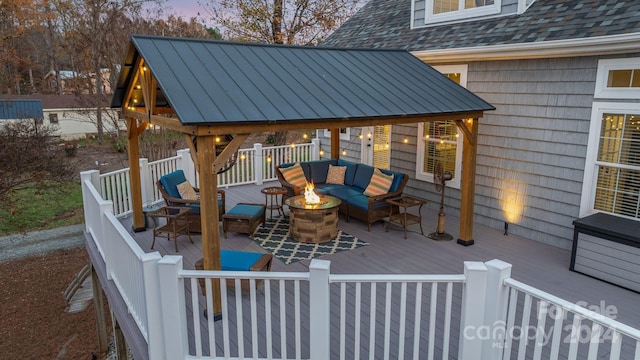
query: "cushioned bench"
233, 260
243, 218
362, 188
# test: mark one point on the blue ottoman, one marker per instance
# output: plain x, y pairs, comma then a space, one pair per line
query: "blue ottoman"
243, 218
233, 260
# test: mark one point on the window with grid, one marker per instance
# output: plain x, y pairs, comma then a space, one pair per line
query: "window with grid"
618, 164
440, 141
381, 148
612, 169
450, 10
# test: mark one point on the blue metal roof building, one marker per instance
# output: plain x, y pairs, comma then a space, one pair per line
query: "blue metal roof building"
20, 109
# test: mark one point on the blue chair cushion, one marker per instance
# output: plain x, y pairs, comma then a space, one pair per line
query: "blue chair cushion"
255, 211
231, 260
363, 176
351, 171
362, 202
171, 181
319, 170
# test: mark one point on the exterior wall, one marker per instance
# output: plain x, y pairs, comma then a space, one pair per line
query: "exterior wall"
532, 148
77, 123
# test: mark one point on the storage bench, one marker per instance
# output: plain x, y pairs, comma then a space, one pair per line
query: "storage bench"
243, 218
607, 247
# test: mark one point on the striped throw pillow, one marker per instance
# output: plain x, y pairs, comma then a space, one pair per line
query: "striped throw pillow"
294, 175
379, 183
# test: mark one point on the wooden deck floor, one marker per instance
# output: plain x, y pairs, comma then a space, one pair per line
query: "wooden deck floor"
542, 266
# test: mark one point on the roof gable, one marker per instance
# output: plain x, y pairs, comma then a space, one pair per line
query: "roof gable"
209, 82
386, 24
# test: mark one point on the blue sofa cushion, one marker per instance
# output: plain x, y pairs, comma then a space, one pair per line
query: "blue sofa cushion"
363, 176
326, 189
319, 170
362, 202
195, 208
231, 260
171, 181
255, 211
345, 192
350, 172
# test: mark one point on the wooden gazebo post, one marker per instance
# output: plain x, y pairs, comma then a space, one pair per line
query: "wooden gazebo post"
335, 143
468, 183
209, 212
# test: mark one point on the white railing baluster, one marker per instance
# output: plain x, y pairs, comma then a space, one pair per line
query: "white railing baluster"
542, 317
283, 322
616, 344
298, 316
575, 337
524, 326
416, 325
343, 320
403, 319
594, 341
267, 315
387, 321
432, 321
511, 319
195, 317
210, 325
239, 319
254, 318
225, 319
372, 322
447, 321
557, 332
358, 310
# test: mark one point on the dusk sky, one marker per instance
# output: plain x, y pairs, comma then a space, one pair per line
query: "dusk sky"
186, 8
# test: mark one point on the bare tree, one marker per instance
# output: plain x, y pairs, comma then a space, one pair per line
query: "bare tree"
292, 22
29, 157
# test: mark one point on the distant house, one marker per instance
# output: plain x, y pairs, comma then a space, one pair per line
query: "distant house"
75, 116
564, 76
72, 82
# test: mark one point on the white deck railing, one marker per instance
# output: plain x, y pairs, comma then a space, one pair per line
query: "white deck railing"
495, 313
254, 166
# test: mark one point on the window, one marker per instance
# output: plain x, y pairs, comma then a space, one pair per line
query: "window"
612, 168
449, 10
53, 118
618, 79
440, 141
344, 133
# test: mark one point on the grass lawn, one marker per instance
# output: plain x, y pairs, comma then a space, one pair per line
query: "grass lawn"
35, 208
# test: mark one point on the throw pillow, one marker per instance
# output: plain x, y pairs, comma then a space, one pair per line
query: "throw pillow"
335, 174
294, 175
379, 183
186, 191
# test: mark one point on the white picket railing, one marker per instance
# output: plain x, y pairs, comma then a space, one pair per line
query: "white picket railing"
254, 166
495, 312
539, 323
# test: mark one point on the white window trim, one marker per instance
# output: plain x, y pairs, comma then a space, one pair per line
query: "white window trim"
430, 17
602, 91
428, 177
345, 136
588, 184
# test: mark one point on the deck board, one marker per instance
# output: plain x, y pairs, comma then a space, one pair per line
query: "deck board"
540, 265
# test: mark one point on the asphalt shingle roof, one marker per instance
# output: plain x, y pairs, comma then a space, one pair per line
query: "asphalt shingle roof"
386, 24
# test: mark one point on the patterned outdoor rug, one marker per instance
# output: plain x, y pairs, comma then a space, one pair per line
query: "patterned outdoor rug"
274, 237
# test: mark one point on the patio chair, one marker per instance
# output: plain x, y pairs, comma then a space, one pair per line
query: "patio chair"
169, 188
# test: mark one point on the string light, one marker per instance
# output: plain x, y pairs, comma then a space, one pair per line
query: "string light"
321, 152
360, 137
304, 136
293, 145
217, 139
243, 156
344, 152
406, 141
268, 158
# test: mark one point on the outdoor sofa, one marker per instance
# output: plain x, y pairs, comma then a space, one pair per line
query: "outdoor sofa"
356, 185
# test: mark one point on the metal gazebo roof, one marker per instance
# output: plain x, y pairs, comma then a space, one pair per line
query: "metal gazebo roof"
208, 82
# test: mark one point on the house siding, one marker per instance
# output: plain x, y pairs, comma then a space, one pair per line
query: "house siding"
531, 149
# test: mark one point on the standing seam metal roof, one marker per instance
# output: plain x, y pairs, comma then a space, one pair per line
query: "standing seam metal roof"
209, 81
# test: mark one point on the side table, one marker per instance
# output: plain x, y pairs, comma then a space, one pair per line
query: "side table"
403, 217
271, 199
177, 223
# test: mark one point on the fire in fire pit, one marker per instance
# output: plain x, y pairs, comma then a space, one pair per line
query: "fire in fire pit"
310, 196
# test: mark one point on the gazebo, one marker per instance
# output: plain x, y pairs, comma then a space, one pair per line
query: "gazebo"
210, 90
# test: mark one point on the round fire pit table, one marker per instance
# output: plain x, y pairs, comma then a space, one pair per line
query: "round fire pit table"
313, 223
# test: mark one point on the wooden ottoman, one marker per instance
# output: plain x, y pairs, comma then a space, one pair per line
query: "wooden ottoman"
243, 218
231, 260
